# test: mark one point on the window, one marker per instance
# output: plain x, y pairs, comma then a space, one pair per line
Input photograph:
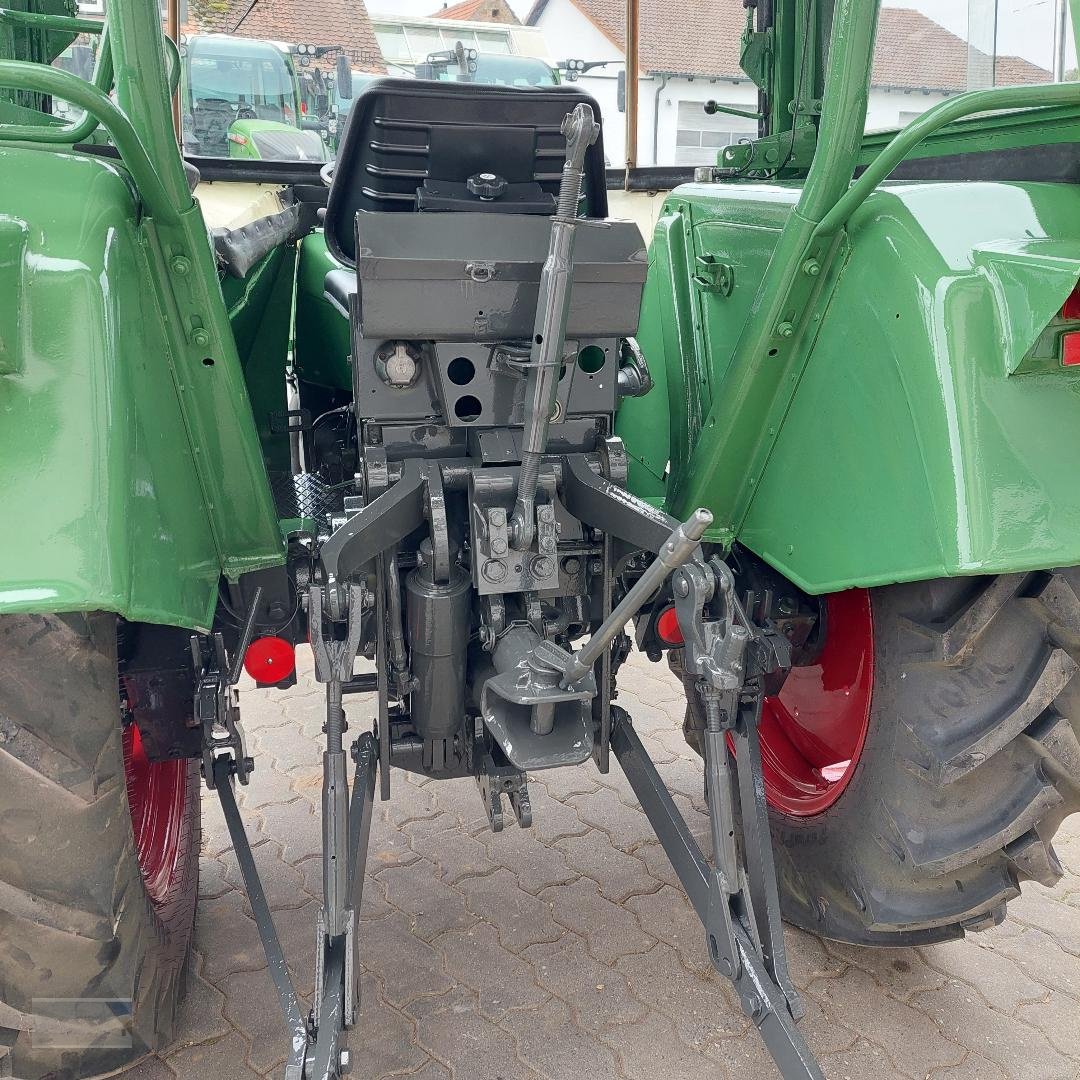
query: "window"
699, 137
392, 42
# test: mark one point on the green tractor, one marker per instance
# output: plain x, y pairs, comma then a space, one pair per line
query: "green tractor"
813, 449
242, 98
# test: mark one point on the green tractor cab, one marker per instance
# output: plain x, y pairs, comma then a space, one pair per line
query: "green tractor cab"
811, 447
241, 98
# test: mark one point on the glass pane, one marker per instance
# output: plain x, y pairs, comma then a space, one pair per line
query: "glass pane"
422, 41
929, 50
392, 42
492, 42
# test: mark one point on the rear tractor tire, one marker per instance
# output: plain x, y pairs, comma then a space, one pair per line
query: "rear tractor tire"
959, 769
99, 858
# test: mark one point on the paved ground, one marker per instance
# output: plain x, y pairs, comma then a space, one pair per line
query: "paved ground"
567, 951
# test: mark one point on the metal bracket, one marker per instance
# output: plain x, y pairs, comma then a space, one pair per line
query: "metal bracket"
713, 275
216, 708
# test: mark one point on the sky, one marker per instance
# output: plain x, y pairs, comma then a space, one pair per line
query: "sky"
1025, 27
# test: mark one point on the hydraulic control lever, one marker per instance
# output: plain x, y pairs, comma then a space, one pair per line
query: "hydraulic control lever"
679, 547
549, 328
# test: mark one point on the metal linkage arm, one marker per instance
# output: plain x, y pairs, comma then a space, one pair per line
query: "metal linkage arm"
761, 997
275, 958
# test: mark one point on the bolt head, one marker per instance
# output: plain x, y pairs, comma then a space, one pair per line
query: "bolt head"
494, 570
786, 330
180, 264
497, 517
572, 565
200, 336
682, 587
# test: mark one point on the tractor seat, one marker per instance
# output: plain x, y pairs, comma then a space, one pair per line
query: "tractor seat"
412, 146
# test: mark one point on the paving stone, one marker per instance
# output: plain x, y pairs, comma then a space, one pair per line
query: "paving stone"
520, 918
658, 864
253, 1008
863, 1061
215, 833
1039, 909
552, 819
480, 1049
222, 1059
615, 780
808, 958
201, 1015
1023, 1052
626, 829
535, 866
1039, 956
454, 853
431, 906
703, 1006
652, 1048
430, 1070
407, 967
150, 1067
900, 971
212, 881
501, 980
382, 1043
1056, 1016
407, 801
388, 845
296, 826
598, 994
287, 749
548, 1040
226, 938
668, 914
619, 875
973, 1067
562, 783
912, 1040
296, 931
999, 981
282, 883
609, 930
648, 682
266, 787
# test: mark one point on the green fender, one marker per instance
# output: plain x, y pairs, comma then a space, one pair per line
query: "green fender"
934, 430
105, 503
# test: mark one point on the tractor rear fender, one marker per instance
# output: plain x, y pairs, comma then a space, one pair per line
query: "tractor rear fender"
127, 484
934, 430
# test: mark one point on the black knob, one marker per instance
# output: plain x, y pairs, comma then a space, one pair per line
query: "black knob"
486, 185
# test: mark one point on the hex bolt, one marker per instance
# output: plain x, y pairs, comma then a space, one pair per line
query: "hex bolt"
785, 330
498, 546
811, 268
572, 566
200, 336
542, 566
497, 517
181, 264
751, 1004
494, 570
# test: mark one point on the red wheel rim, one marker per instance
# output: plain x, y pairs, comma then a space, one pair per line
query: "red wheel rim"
157, 795
813, 731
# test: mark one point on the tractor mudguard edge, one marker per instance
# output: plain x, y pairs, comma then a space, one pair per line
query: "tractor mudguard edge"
910, 424
99, 412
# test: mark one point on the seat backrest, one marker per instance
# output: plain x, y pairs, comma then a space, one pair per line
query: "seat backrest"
401, 132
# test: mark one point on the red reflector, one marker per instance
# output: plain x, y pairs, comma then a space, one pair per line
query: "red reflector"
1070, 350
667, 625
270, 659
1071, 310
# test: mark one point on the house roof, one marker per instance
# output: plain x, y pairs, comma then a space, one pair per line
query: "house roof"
317, 22
912, 51
470, 10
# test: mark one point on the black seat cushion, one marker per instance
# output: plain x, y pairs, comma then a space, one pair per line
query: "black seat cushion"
405, 136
